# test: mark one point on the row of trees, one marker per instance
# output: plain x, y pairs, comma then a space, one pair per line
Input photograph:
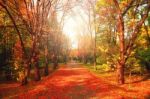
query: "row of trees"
31, 36
121, 24
86, 35
119, 35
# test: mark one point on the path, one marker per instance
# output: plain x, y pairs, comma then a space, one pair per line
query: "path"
74, 82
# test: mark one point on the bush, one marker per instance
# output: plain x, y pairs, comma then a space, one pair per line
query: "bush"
133, 66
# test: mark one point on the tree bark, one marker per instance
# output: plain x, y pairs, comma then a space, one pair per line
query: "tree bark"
55, 62
121, 60
8, 75
120, 73
46, 72
121, 63
27, 73
37, 72
95, 40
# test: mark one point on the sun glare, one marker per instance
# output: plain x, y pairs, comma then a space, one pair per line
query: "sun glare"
72, 27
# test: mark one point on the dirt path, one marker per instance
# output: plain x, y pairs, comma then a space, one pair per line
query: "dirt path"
75, 82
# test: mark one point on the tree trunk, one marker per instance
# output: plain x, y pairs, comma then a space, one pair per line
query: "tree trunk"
27, 73
120, 73
46, 67
37, 71
95, 59
94, 52
8, 75
65, 59
46, 59
55, 65
147, 66
121, 63
55, 61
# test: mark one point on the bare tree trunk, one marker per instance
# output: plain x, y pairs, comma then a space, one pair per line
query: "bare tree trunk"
46, 72
120, 73
8, 75
37, 72
95, 58
95, 40
55, 62
121, 63
46, 58
121, 60
27, 73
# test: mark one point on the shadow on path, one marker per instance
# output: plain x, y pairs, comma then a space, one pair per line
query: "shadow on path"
75, 82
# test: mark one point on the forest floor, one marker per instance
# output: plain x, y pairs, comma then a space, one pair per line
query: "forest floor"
74, 81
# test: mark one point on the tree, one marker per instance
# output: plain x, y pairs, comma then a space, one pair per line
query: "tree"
91, 25
28, 13
125, 50
122, 22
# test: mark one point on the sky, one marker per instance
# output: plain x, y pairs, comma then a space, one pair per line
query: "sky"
74, 25
70, 29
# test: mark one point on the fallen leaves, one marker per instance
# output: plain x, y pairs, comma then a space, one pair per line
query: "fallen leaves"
77, 83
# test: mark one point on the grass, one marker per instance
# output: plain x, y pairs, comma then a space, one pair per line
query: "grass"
110, 76
100, 72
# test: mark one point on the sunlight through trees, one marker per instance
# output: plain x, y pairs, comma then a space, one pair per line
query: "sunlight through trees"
36, 36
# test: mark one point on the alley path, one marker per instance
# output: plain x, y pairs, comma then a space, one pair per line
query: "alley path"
74, 81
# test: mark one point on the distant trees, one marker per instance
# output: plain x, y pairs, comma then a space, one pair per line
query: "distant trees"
87, 36
32, 34
106, 32
85, 53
